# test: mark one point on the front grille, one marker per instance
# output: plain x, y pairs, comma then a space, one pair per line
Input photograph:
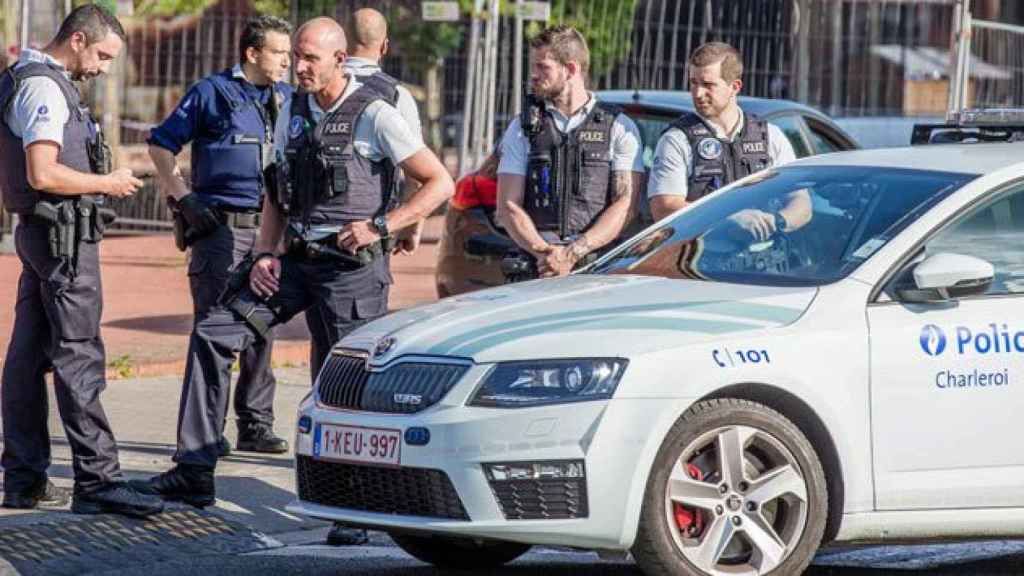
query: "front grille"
405, 388
405, 491
542, 499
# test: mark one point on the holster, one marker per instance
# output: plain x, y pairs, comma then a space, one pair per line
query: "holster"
519, 266
239, 298
181, 236
323, 245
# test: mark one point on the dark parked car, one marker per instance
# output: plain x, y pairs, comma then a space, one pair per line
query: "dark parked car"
472, 243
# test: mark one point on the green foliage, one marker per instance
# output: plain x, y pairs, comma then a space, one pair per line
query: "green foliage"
606, 24
169, 7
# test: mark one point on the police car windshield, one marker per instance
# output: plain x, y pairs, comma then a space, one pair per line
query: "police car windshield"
835, 218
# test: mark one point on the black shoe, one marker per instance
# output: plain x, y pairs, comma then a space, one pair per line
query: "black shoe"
260, 438
223, 447
192, 485
342, 535
116, 498
42, 494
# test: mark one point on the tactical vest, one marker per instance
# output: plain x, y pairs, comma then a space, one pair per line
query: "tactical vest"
568, 175
80, 133
718, 162
385, 85
324, 181
230, 155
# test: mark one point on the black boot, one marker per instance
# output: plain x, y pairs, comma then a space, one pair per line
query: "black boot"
43, 493
116, 498
192, 485
342, 535
259, 438
223, 447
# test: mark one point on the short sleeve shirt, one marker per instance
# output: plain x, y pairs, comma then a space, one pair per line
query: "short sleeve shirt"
38, 110
673, 157
360, 67
626, 150
380, 131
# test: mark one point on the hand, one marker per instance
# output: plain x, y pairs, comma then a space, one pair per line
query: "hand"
264, 278
120, 183
408, 241
759, 224
558, 262
200, 217
357, 235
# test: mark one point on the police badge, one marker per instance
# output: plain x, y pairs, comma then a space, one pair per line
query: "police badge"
709, 148
295, 128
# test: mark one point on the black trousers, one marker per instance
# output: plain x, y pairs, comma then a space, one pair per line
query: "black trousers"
345, 298
212, 260
56, 326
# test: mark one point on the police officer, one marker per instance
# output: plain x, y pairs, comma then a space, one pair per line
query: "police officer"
55, 175
570, 164
702, 152
332, 210
233, 119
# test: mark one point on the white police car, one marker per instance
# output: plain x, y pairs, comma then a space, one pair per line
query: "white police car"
713, 396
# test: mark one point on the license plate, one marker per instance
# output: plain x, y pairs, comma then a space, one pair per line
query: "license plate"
358, 444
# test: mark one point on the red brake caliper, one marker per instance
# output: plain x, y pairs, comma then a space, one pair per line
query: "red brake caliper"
689, 521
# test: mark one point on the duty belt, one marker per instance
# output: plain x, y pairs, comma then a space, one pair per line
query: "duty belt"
244, 220
323, 245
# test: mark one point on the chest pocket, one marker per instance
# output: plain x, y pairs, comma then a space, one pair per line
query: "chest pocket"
595, 176
230, 154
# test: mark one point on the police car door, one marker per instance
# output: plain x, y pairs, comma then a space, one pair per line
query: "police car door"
947, 386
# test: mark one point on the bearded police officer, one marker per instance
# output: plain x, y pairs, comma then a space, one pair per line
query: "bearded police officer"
331, 207
233, 120
569, 164
55, 175
702, 152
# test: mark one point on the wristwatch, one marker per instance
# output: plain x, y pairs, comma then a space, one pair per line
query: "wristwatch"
380, 222
780, 223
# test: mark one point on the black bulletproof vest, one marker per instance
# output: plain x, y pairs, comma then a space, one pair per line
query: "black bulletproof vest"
79, 131
385, 85
718, 162
568, 176
332, 184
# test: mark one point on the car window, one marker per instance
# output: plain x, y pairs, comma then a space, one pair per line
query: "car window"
993, 232
791, 127
836, 217
822, 139
651, 126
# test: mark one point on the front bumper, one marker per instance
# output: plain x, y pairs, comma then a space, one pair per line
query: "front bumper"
611, 438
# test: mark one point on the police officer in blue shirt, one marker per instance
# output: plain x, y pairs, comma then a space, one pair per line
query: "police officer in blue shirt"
233, 120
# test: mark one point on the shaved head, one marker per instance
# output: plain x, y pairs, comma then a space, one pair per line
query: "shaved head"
324, 32
369, 29
320, 53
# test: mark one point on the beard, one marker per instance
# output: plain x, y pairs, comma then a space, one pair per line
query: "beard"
551, 91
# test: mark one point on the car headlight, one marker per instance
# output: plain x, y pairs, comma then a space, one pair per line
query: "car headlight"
539, 382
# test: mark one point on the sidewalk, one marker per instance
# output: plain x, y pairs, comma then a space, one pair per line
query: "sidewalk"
147, 314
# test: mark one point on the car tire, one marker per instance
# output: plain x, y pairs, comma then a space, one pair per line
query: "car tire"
460, 553
770, 522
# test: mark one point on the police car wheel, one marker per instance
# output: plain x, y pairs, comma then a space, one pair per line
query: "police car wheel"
736, 488
459, 553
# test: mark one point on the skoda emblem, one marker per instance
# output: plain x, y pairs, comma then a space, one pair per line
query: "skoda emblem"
709, 148
933, 340
295, 128
384, 345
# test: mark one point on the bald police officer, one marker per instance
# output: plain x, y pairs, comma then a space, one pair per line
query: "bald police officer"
55, 176
331, 210
233, 121
569, 165
703, 151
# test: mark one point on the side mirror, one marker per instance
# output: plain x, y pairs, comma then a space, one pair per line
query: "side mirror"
946, 276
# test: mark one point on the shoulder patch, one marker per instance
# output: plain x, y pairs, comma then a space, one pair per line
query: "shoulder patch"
709, 149
295, 127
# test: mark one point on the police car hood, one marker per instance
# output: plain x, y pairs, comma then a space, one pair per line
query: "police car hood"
580, 315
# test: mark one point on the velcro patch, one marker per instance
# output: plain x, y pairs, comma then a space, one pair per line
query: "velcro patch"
753, 148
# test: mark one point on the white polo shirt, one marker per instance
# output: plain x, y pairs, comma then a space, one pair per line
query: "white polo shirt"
38, 110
